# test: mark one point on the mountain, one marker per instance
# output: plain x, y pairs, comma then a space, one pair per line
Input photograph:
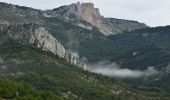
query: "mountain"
56, 25
48, 50
83, 15
87, 12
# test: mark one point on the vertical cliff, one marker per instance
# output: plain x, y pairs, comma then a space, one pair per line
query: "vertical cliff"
37, 35
90, 14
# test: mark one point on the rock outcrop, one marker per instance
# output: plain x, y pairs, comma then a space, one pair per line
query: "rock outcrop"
76, 11
90, 14
87, 12
37, 35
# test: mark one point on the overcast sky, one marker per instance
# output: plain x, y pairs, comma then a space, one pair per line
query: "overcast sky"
151, 12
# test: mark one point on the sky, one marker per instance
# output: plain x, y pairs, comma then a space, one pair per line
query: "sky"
152, 12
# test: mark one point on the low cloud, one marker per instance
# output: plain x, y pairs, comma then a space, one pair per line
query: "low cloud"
112, 69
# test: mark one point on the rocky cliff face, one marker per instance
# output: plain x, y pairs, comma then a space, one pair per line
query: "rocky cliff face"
76, 11
90, 14
37, 35
87, 12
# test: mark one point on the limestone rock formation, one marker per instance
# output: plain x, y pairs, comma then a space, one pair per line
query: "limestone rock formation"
37, 35
87, 12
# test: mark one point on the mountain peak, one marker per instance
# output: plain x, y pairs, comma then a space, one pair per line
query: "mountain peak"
85, 11
88, 13
78, 13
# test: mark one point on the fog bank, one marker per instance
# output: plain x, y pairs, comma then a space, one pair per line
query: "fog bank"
112, 69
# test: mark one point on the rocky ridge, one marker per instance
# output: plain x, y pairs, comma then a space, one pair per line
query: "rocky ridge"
13, 14
77, 13
37, 35
20, 10
87, 12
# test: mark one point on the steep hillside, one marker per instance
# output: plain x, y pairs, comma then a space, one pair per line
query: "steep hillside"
33, 34
145, 47
62, 80
151, 46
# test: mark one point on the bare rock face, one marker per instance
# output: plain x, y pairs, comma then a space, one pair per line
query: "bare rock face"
37, 35
47, 42
70, 12
87, 12
90, 14
4, 23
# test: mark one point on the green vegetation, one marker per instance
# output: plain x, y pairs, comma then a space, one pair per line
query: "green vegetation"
52, 73
137, 49
151, 44
22, 91
49, 76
